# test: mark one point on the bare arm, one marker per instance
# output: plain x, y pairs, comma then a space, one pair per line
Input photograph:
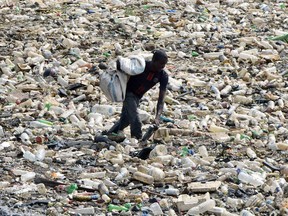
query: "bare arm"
160, 106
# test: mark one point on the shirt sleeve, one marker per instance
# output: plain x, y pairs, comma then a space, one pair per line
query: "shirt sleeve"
164, 81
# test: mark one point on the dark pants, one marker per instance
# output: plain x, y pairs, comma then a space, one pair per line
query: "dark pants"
129, 116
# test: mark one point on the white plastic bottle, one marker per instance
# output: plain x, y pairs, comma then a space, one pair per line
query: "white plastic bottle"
246, 213
37, 124
251, 154
142, 177
202, 208
2, 132
203, 151
122, 174
29, 156
157, 173
90, 183
40, 154
103, 109
62, 81
172, 191
156, 209
249, 179
28, 176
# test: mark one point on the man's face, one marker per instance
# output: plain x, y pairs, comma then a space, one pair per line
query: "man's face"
159, 64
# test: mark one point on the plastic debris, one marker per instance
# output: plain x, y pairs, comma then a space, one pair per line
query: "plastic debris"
220, 147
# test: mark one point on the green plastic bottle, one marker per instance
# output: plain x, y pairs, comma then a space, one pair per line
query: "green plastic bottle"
71, 188
112, 207
194, 54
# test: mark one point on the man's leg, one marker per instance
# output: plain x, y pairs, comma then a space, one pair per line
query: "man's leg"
129, 115
123, 122
133, 116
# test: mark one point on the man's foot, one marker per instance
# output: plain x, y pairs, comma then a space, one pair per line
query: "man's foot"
117, 137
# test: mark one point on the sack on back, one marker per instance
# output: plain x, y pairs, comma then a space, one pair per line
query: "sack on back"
113, 82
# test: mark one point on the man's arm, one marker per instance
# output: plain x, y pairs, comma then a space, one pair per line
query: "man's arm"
160, 105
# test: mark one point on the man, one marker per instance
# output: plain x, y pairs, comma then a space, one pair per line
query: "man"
137, 86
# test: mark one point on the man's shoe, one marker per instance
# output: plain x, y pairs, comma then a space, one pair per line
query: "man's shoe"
117, 137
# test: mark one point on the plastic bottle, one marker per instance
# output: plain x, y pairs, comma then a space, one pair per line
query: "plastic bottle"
250, 57
212, 55
83, 198
156, 173
41, 188
71, 188
248, 179
97, 117
74, 119
203, 151
39, 124
172, 191
202, 208
89, 183
246, 213
103, 189
106, 110
112, 207
142, 177
67, 113
149, 132
170, 100
4, 184
79, 98
156, 209
123, 173
255, 200
251, 154
242, 99
272, 142
63, 70
232, 202
40, 154
98, 175
106, 198
216, 92
217, 129
2, 133
25, 138
164, 204
84, 211
164, 159
62, 81
226, 90
187, 162
264, 7
109, 183
29, 156
28, 176
158, 151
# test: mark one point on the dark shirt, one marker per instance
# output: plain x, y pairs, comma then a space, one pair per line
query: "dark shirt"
140, 84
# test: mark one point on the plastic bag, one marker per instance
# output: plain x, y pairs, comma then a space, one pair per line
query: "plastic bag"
133, 65
113, 83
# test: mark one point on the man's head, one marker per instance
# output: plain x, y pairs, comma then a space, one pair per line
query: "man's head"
159, 60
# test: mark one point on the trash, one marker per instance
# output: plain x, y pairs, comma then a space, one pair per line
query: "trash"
204, 187
85, 198
142, 177
221, 144
112, 207
202, 208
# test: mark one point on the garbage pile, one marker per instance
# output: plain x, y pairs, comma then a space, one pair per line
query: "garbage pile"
221, 147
